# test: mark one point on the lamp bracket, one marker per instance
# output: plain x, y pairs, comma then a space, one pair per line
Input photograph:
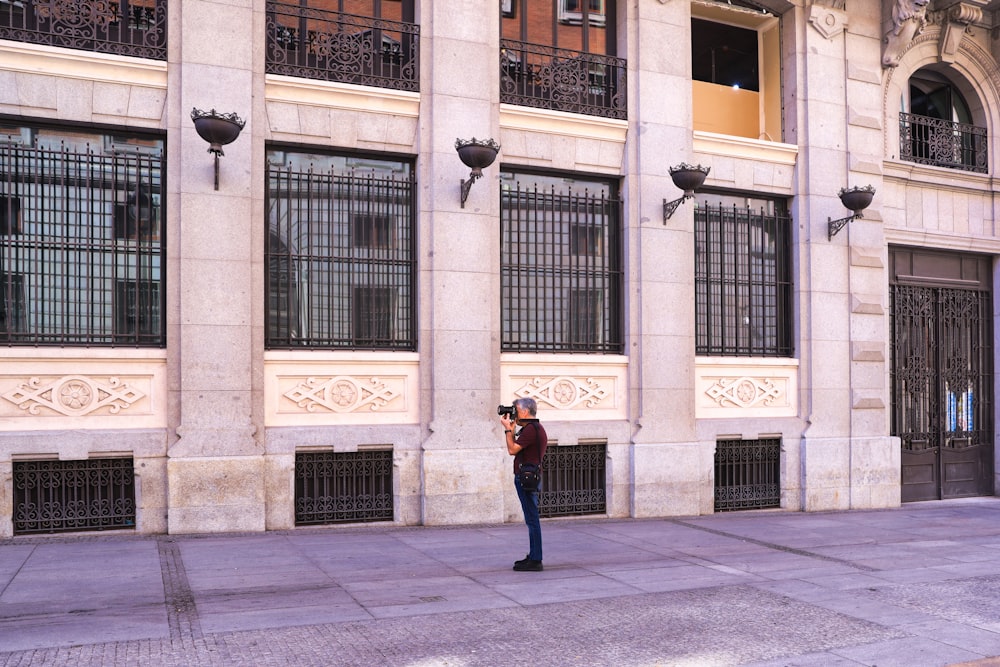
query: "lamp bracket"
670, 206
834, 226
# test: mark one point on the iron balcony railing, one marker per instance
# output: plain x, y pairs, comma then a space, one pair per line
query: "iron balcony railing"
333, 46
534, 75
124, 27
942, 143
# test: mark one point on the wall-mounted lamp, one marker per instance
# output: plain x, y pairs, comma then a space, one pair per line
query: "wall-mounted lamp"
218, 129
477, 155
688, 178
857, 199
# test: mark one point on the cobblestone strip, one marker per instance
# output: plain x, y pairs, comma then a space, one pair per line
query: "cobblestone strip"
182, 614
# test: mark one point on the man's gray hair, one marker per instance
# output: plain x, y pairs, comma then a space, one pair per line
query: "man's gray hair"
528, 404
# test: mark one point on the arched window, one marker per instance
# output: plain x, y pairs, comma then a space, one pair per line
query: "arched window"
937, 126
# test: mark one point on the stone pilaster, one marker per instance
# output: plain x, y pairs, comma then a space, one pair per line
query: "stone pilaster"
215, 468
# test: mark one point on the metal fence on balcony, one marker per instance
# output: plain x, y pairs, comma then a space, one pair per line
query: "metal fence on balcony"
747, 474
343, 487
125, 27
333, 46
942, 143
574, 480
61, 496
534, 75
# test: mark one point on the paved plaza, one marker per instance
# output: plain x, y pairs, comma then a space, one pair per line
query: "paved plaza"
915, 586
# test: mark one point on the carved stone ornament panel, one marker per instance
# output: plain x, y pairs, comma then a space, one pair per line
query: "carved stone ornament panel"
827, 21
564, 392
341, 394
73, 396
744, 392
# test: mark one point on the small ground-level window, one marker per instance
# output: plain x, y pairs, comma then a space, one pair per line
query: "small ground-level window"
574, 480
747, 474
62, 496
343, 487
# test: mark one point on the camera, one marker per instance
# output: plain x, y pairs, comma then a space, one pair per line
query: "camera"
506, 410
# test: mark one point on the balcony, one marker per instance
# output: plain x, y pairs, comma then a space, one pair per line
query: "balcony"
942, 143
332, 46
135, 28
545, 77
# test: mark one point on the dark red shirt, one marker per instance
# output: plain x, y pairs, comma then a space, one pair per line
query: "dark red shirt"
533, 440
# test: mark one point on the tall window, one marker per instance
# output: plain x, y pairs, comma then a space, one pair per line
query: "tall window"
736, 69
81, 248
743, 286
560, 264
340, 252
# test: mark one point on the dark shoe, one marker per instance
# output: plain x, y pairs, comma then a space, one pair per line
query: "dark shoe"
528, 565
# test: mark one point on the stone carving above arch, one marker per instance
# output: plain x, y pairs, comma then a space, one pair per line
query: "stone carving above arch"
908, 19
956, 21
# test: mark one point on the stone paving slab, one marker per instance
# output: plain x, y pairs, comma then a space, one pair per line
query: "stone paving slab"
916, 586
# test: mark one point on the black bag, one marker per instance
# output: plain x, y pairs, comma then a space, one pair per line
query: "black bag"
530, 476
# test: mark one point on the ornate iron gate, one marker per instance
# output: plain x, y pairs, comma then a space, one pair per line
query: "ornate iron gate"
747, 474
343, 487
573, 480
942, 379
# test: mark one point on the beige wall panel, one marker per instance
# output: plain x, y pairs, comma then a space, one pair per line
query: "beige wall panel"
567, 387
333, 389
755, 388
99, 391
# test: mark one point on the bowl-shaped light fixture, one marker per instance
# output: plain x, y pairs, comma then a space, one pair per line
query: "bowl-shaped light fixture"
687, 178
218, 129
857, 199
477, 155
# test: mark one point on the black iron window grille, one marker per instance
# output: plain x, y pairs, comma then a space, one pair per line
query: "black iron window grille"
135, 28
340, 252
81, 255
61, 496
747, 474
545, 77
343, 487
942, 143
743, 287
574, 480
314, 43
560, 265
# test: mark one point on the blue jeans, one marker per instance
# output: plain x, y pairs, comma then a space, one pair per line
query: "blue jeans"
529, 506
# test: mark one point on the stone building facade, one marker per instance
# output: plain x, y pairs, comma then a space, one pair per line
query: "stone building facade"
336, 284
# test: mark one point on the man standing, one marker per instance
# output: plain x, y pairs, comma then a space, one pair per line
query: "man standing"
528, 446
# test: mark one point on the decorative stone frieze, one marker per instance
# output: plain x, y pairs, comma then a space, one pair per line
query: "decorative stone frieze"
565, 392
73, 396
341, 394
745, 392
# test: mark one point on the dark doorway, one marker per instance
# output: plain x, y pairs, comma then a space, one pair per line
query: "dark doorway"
942, 372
